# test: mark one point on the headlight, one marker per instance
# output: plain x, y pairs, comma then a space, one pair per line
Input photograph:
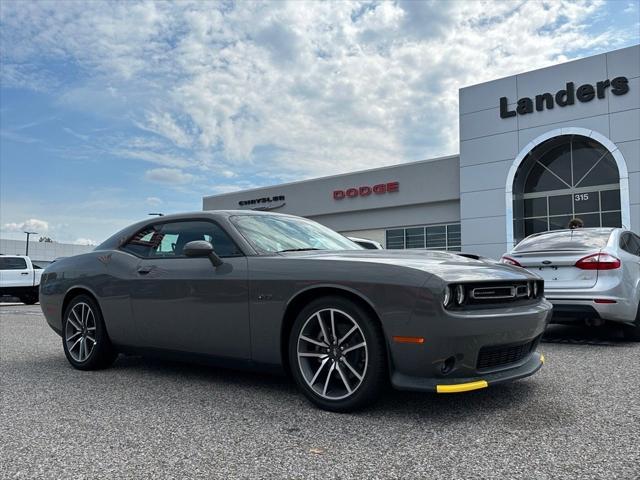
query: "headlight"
447, 296
459, 294
535, 289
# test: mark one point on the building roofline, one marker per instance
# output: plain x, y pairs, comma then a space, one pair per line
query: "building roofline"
553, 65
368, 170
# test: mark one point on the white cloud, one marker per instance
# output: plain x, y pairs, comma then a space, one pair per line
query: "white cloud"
85, 241
169, 175
287, 90
154, 201
163, 124
31, 225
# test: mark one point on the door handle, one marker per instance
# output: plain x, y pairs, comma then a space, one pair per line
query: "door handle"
145, 270
24, 273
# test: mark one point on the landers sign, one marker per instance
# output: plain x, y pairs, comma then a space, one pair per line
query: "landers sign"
567, 96
366, 190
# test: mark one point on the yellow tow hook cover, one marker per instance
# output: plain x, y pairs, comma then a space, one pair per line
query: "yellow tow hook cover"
462, 387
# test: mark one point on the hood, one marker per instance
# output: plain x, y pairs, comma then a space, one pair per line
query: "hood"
450, 267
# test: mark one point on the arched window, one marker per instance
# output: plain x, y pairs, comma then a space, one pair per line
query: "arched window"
570, 176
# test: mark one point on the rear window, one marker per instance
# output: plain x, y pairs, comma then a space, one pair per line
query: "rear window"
15, 263
578, 239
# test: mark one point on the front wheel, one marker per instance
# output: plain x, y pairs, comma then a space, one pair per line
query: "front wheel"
84, 336
337, 355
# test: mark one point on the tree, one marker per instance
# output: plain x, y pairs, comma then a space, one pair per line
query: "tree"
45, 240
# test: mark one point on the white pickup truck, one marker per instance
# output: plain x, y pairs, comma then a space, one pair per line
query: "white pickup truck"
19, 278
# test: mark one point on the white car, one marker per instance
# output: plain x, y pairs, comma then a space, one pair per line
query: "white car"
590, 274
366, 243
19, 277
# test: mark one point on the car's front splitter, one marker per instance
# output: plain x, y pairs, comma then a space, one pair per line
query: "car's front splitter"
457, 385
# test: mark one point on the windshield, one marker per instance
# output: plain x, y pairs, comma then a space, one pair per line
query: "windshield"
578, 239
274, 233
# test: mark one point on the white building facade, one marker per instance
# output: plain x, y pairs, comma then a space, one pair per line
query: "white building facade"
42, 253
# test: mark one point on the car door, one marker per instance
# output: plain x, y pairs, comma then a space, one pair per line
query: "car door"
14, 272
186, 304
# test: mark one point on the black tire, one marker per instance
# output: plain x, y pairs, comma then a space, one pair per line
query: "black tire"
374, 374
101, 354
632, 333
30, 299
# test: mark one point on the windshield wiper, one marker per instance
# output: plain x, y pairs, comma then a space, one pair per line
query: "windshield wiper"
297, 249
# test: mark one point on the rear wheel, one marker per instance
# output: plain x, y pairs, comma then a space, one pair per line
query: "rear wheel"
633, 332
337, 355
84, 336
29, 299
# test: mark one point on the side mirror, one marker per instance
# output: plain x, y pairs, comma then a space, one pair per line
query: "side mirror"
202, 248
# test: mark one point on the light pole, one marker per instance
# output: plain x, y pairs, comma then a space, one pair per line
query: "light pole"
26, 253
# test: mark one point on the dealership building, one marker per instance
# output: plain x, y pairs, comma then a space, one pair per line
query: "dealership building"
536, 150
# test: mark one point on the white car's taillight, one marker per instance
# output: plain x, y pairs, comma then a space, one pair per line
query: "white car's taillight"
598, 261
509, 261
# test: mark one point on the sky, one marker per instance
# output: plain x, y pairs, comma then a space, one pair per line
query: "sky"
113, 110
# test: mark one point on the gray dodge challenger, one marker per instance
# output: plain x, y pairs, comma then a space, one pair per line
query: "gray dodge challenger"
278, 292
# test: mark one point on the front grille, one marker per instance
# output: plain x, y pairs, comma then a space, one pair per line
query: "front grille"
496, 294
501, 355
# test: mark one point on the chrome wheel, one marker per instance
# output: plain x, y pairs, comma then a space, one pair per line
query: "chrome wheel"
80, 332
332, 354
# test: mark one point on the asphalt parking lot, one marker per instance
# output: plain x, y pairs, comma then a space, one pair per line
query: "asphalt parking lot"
578, 418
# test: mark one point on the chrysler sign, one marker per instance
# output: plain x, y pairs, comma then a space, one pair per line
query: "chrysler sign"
567, 96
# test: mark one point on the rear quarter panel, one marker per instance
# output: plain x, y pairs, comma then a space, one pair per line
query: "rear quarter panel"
106, 275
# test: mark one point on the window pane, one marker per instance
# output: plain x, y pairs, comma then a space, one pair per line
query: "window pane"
15, 263
143, 242
535, 225
560, 205
395, 239
586, 202
535, 207
437, 237
604, 173
558, 160
169, 239
585, 155
610, 199
453, 235
181, 233
542, 180
634, 244
590, 220
611, 219
415, 237
559, 223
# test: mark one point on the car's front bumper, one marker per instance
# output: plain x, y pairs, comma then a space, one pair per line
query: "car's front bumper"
466, 337
457, 385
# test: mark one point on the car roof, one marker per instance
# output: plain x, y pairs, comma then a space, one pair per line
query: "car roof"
116, 239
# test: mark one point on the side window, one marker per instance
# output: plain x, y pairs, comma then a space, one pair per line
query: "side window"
14, 263
143, 242
624, 242
634, 242
167, 240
